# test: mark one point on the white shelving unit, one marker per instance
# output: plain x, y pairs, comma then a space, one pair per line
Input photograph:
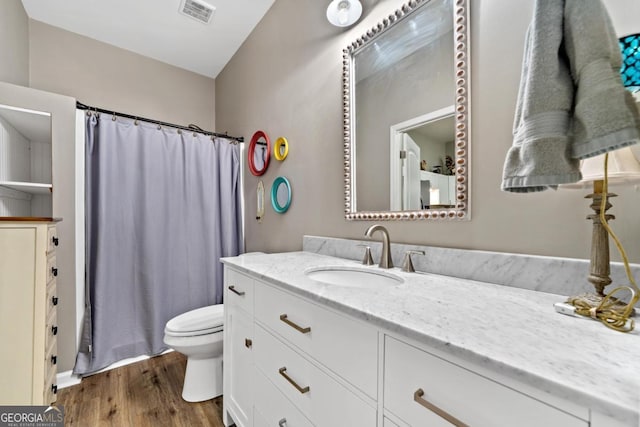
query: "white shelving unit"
25, 162
28, 187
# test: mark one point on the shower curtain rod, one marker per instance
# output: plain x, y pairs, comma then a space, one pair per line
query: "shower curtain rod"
192, 128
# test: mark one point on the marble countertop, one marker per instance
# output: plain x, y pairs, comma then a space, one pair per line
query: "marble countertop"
511, 331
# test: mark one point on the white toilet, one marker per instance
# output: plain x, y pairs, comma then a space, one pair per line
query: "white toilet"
198, 335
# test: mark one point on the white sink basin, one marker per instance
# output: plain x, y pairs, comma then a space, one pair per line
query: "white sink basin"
354, 277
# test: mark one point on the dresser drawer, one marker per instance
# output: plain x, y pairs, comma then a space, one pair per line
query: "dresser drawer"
52, 268
51, 329
319, 397
415, 380
344, 345
274, 408
50, 388
52, 297
52, 239
238, 290
51, 359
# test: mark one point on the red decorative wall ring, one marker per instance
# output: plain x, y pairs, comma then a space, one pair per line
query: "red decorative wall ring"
262, 146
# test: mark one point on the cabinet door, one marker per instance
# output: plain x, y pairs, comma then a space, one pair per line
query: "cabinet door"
238, 366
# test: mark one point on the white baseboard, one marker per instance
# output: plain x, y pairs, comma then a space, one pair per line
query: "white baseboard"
67, 379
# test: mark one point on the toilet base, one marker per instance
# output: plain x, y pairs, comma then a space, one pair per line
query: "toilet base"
202, 379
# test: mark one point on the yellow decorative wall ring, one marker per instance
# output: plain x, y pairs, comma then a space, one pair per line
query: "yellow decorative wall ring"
281, 148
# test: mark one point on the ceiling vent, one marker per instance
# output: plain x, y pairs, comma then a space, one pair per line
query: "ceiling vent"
197, 9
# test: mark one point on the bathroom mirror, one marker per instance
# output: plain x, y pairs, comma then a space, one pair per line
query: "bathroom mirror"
406, 115
259, 153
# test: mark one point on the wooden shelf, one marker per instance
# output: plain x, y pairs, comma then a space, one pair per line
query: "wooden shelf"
28, 187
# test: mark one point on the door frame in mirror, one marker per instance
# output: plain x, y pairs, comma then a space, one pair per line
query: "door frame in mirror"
462, 117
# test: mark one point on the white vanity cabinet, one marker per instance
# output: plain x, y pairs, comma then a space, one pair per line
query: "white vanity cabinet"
291, 361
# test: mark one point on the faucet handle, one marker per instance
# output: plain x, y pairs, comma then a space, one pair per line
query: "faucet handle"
368, 259
407, 264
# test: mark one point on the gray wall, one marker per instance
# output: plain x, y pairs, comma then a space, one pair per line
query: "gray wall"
14, 43
99, 74
286, 80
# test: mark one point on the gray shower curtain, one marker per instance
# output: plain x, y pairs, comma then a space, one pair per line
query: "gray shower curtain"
162, 207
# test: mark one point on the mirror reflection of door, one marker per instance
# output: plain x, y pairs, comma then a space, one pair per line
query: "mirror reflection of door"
419, 177
410, 159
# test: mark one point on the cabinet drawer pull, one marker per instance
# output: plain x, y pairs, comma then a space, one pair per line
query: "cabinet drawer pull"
418, 397
54, 388
300, 329
248, 343
54, 360
54, 271
282, 422
54, 300
55, 241
54, 330
283, 372
232, 288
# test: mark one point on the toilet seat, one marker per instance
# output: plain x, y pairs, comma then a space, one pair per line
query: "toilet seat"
201, 321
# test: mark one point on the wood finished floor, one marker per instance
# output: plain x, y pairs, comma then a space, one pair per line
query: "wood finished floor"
138, 395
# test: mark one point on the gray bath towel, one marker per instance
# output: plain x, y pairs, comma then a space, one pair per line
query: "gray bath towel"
571, 102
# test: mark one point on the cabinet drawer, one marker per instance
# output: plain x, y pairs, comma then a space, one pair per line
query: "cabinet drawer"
238, 290
50, 388
52, 268
52, 239
274, 408
51, 329
469, 397
52, 297
51, 360
344, 345
325, 402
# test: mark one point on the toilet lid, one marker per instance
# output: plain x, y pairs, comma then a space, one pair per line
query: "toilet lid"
197, 322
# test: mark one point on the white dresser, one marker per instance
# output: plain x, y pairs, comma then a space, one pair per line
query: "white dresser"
28, 301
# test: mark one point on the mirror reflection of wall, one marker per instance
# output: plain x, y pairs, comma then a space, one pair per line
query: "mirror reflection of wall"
260, 154
405, 74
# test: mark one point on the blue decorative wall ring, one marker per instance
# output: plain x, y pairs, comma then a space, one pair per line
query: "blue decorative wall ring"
275, 188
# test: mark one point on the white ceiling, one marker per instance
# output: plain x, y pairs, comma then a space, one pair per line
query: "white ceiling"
155, 28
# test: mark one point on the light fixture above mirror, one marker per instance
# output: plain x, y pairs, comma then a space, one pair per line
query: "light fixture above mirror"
343, 13
406, 115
